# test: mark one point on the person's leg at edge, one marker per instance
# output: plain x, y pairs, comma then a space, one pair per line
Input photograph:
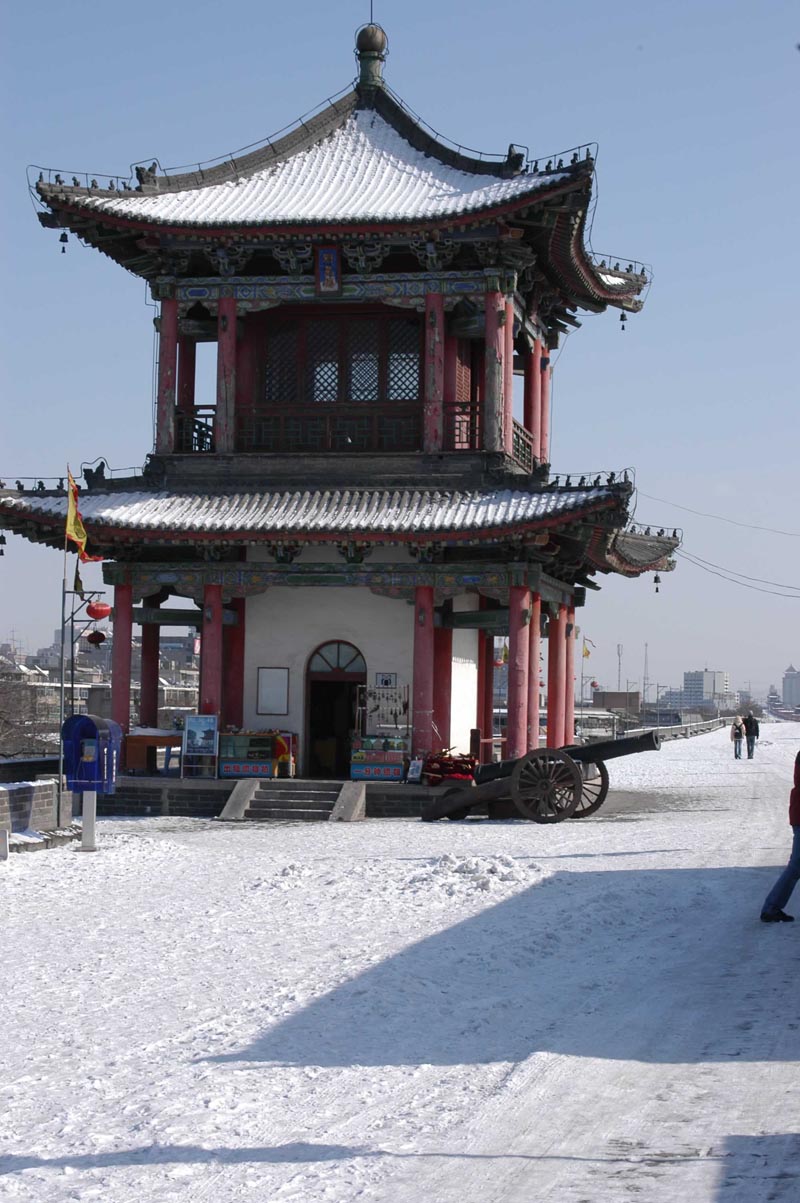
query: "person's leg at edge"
781, 892
751, 744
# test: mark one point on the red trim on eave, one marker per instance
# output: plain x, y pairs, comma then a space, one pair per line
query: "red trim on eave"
298, 229
110, 535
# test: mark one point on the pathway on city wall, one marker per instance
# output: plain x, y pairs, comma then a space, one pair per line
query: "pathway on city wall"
395, 1010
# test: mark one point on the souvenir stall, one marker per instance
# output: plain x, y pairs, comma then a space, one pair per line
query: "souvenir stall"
381, 744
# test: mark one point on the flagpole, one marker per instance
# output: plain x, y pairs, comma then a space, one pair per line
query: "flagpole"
583, 657
62, 667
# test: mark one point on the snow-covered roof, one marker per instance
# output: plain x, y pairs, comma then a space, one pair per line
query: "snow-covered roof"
378, 511
364, 170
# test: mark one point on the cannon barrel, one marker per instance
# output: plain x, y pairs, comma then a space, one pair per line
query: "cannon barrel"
610, 749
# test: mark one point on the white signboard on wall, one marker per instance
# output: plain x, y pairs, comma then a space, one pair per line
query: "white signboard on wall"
272, 695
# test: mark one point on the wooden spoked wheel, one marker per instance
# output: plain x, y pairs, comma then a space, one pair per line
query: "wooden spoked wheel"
546, 786
593, 791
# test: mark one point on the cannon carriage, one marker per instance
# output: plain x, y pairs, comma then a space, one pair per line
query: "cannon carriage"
547, 785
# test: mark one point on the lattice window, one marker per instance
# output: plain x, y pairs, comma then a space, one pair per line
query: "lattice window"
322, 361
337, 658
281, 366
463, 370
404, 367
363, 360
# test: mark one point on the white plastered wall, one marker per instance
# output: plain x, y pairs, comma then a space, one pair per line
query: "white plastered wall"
284, 625
464, 697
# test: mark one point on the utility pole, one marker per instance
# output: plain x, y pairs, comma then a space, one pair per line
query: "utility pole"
645, 681
619, 668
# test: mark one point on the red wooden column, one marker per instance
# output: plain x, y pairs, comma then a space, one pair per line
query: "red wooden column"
556, 678
544, 424
534, 670
569, 670
167, 367
187, 367
508, 379
211, 652
442, 685
148, 694
494, 368
433, 412
233, 668
224, 432
121, 656
518, 667
488, 695
533, 396
423, 670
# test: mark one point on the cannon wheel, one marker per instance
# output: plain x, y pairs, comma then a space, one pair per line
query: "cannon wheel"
593, 792
546, 786
456, 816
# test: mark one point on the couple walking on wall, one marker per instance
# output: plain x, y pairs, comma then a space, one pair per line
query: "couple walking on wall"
744, 729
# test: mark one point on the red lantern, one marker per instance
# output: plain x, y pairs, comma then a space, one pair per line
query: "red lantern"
95, 638
594, 684
98, 610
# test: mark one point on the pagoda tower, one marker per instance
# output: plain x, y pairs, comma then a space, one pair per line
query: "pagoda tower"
358, 504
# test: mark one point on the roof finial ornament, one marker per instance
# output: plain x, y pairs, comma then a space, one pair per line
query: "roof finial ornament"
372, 46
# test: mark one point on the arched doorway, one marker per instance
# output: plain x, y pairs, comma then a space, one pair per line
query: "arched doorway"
334, 672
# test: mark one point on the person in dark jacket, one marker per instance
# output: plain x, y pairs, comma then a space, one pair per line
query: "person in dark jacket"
772, 911
750, 733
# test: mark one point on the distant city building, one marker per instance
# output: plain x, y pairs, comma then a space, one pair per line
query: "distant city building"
707, 688
791, 687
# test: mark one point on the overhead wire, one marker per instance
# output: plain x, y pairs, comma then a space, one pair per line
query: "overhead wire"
792, 534
733, 572
732, 580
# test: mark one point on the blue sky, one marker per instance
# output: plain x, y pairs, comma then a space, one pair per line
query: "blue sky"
694, 107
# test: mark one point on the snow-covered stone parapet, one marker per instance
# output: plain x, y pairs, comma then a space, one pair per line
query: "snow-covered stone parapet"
29, 804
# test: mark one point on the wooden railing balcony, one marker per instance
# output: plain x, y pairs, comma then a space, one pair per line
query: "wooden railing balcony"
194, 429
522, 447
388, 426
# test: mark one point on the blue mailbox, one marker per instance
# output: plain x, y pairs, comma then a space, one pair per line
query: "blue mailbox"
92, 748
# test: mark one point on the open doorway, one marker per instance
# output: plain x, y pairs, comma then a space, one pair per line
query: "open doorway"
335, 670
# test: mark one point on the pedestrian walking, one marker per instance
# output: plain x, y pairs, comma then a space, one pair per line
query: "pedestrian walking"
737, 735
772, 911
750, 733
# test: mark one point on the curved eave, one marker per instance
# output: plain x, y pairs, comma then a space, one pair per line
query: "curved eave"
110, 540
581, 276
631, 554
65, 204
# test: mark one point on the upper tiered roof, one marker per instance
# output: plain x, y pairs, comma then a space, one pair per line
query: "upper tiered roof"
363, 165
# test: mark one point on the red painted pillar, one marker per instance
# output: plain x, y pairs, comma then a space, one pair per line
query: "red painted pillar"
556, 678
488, 696
494, 371
544, 425
533, 396
518, 667
423, 670
211, 652
433, 414
442, 685
233, 668
534, 670
480, 717
148, 694
508, 379
569, 670
121, 656
187, 365
167, 365
224, 432
449, 391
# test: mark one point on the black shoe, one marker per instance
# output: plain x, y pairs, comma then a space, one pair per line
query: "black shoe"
776, 917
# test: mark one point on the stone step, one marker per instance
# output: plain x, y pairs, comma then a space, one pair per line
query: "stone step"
287, 813
258, 803
302, 796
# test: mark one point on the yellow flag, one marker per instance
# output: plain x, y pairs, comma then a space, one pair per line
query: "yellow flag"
586, 652
76, 531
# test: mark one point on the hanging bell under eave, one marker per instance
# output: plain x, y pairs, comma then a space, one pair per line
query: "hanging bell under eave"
623, 317
63, 240
656, 581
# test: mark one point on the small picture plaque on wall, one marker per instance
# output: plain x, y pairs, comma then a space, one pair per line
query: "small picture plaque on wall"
328, 272
272, 695
385, 680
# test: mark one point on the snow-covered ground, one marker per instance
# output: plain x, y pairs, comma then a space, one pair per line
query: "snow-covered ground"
396, 1011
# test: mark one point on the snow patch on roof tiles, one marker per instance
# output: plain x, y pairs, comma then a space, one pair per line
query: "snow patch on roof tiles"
365, 170
329, 511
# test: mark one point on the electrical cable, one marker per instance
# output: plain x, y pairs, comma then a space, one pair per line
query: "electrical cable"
733, 572
732, 580
793, 534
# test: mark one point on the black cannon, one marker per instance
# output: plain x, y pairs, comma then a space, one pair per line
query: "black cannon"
547, 785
